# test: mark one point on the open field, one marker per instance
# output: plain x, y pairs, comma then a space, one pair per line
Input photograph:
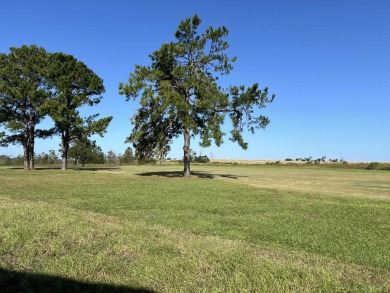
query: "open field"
225, 229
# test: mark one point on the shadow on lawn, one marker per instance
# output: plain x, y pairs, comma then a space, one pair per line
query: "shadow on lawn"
36, 168
173, 174
71, 168
95, 169
11, 281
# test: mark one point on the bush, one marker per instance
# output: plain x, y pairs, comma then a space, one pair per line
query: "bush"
373, 166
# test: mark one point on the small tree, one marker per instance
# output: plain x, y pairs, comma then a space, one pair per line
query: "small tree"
53, 156
97, 156
111, 157
180, 94
84, 150
127, 157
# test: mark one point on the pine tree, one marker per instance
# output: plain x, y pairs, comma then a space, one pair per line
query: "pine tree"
180, 95
23, 91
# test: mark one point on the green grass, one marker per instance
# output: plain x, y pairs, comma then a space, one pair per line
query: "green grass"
226, 229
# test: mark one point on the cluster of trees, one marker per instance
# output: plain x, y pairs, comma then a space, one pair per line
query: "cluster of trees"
10, 161
79, 153
85, 151
127, 158
48, 158
319, 160
179, 92
34, 84
308, 159
199, 158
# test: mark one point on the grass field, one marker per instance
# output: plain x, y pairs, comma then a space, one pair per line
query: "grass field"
225, 229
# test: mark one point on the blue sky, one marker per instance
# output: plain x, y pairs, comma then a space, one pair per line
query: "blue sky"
328, 62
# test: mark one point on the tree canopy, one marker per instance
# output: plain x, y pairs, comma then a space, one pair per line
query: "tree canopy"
180, 95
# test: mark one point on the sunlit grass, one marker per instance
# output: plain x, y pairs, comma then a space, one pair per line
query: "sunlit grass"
227, 228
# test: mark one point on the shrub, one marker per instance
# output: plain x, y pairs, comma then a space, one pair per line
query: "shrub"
373, 166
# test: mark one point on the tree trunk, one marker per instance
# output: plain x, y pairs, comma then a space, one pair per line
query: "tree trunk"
25, 156
64, 165
65, 148
26, 148
32, 162
187, 155
31, 148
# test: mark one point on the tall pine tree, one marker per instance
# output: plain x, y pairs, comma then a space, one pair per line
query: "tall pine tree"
73, 86
180, 95
23, 91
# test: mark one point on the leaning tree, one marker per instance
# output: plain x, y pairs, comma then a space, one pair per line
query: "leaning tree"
180, 95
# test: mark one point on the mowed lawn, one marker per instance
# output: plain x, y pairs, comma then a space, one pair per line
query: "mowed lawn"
225, 229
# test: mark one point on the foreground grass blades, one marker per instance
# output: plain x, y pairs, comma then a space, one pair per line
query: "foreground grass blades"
147, 229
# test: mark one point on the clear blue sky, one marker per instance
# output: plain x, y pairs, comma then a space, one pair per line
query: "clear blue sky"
328, 62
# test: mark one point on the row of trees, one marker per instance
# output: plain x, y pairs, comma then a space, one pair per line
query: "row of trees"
79, 153
35, 84
319, 160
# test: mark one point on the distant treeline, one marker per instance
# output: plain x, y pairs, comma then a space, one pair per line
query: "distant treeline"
318, 160
81, 154
321, 164
337, 164
78, 157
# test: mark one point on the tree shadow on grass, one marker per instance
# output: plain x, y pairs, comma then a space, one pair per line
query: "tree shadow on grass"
95, 169
35, 169
70, 168
177, 174
11, 281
